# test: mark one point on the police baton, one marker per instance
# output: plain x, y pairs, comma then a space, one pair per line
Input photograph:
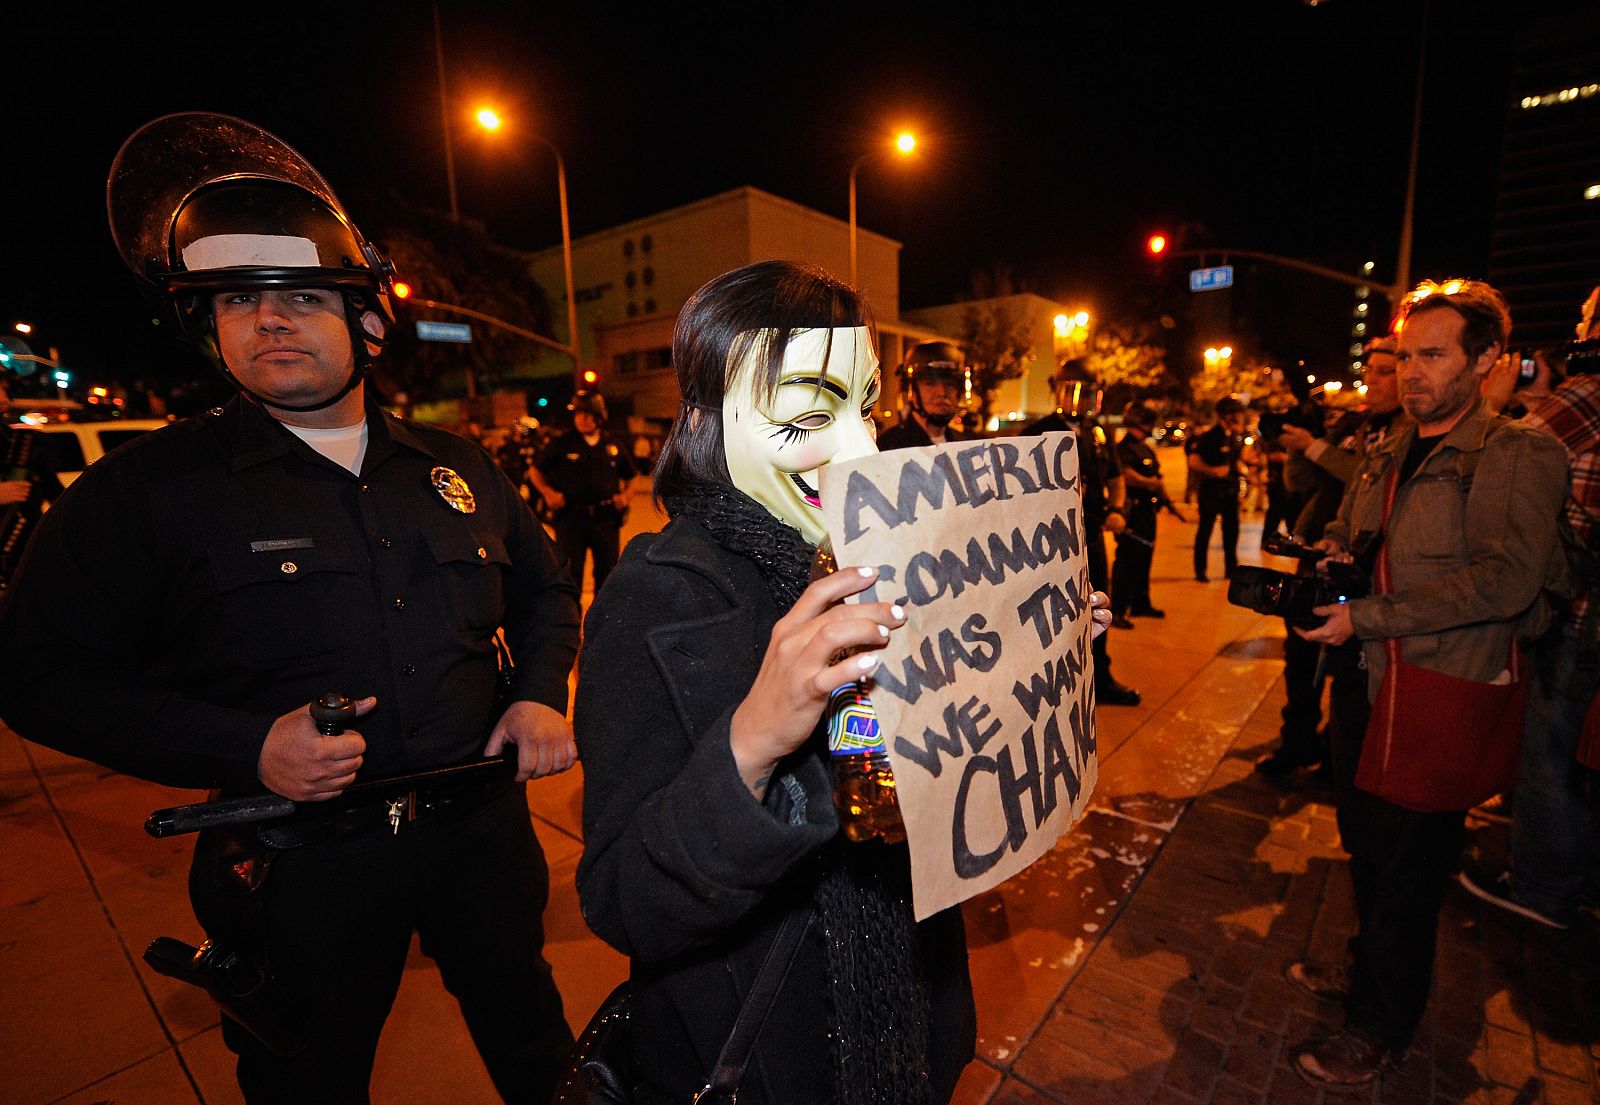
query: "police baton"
330, 712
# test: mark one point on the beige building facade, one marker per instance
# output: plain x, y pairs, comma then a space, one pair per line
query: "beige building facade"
631, 280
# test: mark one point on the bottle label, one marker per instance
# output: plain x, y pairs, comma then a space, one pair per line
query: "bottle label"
852, 722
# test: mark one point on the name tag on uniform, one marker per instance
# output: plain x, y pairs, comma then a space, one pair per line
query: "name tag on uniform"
283, 543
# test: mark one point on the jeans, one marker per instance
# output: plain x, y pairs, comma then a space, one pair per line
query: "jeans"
1400, 862
1552, 824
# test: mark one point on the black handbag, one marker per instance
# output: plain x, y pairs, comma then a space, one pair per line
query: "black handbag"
600, 1070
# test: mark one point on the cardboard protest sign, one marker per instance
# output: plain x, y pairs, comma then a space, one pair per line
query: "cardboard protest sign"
985, 697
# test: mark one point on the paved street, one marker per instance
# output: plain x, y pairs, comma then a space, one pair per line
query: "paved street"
1140, 961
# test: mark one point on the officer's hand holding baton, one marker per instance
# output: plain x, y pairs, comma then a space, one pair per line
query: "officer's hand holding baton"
305, 763
543, 739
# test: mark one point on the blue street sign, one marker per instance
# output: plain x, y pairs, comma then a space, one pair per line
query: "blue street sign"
444, 331
1205, 280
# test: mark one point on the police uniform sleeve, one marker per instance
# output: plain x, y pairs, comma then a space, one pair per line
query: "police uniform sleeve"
542, 613
74, 629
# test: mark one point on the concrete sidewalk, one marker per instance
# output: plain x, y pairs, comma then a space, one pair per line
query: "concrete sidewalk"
1140, 961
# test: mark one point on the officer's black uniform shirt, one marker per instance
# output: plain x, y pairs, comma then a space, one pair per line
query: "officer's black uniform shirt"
909, 434
1219, 447
585, 474
201, 581
1097, 460
1137, 456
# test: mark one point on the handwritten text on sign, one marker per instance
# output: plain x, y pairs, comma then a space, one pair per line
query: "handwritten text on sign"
985, 695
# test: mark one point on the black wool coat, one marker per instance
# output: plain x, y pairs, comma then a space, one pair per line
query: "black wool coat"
683, 870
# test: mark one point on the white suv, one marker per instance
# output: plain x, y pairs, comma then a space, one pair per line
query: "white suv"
76, 445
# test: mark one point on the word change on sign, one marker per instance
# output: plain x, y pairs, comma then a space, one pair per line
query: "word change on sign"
1206, 280
445, 331
985, 696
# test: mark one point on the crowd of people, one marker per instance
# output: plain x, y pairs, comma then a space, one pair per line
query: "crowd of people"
214, 581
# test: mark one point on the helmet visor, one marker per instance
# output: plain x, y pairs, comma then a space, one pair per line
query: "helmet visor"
167, 160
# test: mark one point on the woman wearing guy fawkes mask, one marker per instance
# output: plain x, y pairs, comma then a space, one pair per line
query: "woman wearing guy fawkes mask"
708, 810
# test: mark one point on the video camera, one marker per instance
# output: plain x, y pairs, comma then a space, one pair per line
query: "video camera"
1319, 582
1307, 413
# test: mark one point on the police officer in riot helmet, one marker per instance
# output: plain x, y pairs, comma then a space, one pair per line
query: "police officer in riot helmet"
583, 478
214, 578
1078, 398
932, 379
1147, 496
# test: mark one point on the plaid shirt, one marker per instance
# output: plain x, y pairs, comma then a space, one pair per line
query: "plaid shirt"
1571, 414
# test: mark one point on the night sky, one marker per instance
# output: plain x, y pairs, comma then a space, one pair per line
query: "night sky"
1053, 142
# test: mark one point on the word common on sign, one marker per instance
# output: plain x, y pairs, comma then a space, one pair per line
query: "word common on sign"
985, 697
1207, 280
459, 332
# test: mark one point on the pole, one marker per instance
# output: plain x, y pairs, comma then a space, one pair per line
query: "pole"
1402, 268
566, 260
853, 169
444, 113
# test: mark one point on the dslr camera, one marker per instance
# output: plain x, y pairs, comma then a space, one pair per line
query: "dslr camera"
1294, 596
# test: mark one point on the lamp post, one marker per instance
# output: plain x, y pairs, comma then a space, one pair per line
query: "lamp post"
905, 143
566, 260
444, 116
490, 120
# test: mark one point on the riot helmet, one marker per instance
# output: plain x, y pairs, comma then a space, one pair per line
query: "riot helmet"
589, 402
933, 362
1077, 393
1137, 414
202, 203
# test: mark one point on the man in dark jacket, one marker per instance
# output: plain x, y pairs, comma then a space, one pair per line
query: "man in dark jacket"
211, 579
1335, 459
1077, 409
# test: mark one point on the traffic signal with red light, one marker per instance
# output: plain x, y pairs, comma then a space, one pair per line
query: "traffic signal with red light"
1157, 244
402, 290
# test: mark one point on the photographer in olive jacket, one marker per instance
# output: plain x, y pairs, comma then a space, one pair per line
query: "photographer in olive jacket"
192, 592
1465, 504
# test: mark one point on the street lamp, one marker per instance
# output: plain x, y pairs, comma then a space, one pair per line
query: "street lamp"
905, 143
491, 120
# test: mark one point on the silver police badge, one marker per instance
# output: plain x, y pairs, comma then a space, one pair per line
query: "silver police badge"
453, 490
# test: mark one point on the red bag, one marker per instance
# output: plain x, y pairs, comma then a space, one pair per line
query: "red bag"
1436, 742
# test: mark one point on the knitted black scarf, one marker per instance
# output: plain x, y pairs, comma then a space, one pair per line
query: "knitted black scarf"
863, 896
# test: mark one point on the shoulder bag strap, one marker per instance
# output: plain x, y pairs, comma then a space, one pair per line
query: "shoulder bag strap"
741, 1043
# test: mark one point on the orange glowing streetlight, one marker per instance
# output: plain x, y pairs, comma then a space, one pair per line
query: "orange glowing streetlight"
905, 144
488, 118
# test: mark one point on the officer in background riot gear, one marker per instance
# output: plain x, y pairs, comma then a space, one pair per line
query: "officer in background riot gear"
1104, 493
1147, 496
933, 380
212, 579
583, 477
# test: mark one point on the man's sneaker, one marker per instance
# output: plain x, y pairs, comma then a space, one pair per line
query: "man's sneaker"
1121, 621
1149, 612
1344, 1061
1496, 890
1331, 983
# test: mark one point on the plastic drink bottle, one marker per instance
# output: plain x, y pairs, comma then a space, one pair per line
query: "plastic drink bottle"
863, 783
